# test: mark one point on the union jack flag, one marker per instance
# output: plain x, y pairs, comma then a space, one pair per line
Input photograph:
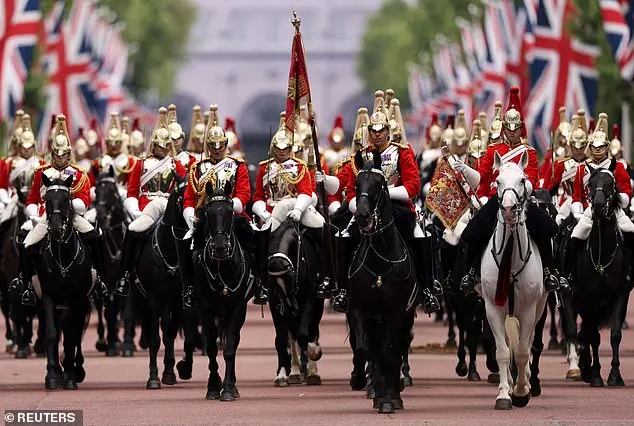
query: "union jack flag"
20, 26
618, 23
562, 71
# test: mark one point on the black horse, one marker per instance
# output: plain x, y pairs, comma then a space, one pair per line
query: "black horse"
111, 219
383, 290
63, 267
293, 268
158, 287
601, 279
223, 274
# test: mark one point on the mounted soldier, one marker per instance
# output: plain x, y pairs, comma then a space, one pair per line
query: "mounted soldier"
81, 151
561, 140
431, 152
460, 141
137, 140
336, 150
60, 168
233, 141
599, 160
399, 168
218, 169
92, 137
151, 181
17, 175
285, 181
195, 143
540, 226
178, 138
561, 184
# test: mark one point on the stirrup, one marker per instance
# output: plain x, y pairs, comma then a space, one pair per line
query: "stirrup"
261, 296
340, 302
100, 291
551, 283
324, 289
468, 282
16, 287
564, 285
430, 302
28, 297
436, 288
188, 300
123, 286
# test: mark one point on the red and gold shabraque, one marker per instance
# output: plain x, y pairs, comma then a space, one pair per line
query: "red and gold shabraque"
446, 198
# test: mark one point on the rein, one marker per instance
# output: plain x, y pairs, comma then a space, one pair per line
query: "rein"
171, 269
596, 264
294, 269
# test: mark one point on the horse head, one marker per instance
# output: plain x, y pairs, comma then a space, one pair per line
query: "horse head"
511, 188
602, 190
371, 190
218, 216
285, 243
59, 208
108, 202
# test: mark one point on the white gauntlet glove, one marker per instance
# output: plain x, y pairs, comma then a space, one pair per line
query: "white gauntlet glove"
259, 208
331, 183
301, 204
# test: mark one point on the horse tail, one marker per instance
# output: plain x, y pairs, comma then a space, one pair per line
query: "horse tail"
512, 327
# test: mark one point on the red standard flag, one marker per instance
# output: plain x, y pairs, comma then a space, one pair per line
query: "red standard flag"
446, 196
298, 88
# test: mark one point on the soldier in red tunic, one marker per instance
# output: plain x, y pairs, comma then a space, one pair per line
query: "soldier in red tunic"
178, 138
541, 226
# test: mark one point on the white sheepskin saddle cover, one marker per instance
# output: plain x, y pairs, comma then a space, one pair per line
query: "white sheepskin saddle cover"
311, 218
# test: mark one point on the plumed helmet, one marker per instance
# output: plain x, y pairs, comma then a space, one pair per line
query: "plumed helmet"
27, 136
579, 133
281, 138
360, 137
92, 137
214, 134
233, 141
81, 145
337, 135
615, 143
513, 115
461, 134
599, 137
477, 147
137, 139
61, 141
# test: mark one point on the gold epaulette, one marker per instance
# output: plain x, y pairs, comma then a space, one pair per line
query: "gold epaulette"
238, 159
268, 160
563, 159
400, 145
340, 165
43, 166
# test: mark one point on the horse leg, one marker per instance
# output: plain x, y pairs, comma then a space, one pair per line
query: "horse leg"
232, 333
536, 352
570, 321
170, 322
281, 342
101, 344
595, 340
615, 379
151, 324
358, 380
185, 366
461, 367
496, 318
451, 325
53, 378
522, 391
406, 378
553, 343
5, 306
295, 378
80, 372
128, 314
214, 383
111, 313
474, 334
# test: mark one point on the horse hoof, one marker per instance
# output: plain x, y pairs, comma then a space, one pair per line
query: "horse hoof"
281, 382
101, 345
407, 381
295, 379
386, 408
313, 352
574, 374
536, 389
184, 370
80, 374
376, 403
227, 396
10, 348
53, 383
520, 401
313, 380
169, 378
358, 382
143, 343
70, 384
39, 348
461, 369
212, 395
503, 404
398, 404
474, 377
451, 343
596, 382
615, 380
494, 378
153, 384
553, 344
127, 353
22, 353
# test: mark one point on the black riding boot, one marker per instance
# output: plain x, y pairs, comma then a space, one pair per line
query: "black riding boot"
477, 235
27, 270
324, 286
429, 256
551, 283
128, 255
340, 301
572, 251
261, 296
425, 274
94, 243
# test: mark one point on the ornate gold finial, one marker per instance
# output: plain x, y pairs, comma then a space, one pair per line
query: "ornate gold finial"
379, 281
296, 22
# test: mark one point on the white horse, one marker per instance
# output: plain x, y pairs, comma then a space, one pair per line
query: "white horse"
513, 326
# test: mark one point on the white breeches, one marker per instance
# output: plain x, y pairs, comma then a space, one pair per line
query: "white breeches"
418, 231
91, 215
452, 237
11, 210
40, 230
311, 218
152, 212
564, 211
584, 226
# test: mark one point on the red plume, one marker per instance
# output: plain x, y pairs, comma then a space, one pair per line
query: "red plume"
592, 124
53, 121
93, 124
615, 131
135, 125
516, 103
337, 124
230, 124
451, 119
80, 132
434, 120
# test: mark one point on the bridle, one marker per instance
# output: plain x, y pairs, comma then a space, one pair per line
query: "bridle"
608, 196
375, 216
66, 224
230, 243
67, 234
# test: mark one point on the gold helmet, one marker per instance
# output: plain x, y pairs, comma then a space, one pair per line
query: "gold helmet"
579, 133
27, 136
397, 127
434, 131
337, 134
303, 127
460, 135
360, 138
389, 95
61, 141
513, 115
215, 134
207, 117
615, 143
477, 147
379, 103
197, 130
484, 133
125, 130
564, 128
281, 138
92, 137
175, 129
599, 137
378, 121
137, 140
113, 135
160, 135
17, 130
496, 125
81, 145
448, 134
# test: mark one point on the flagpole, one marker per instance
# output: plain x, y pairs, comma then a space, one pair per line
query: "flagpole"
321, 189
